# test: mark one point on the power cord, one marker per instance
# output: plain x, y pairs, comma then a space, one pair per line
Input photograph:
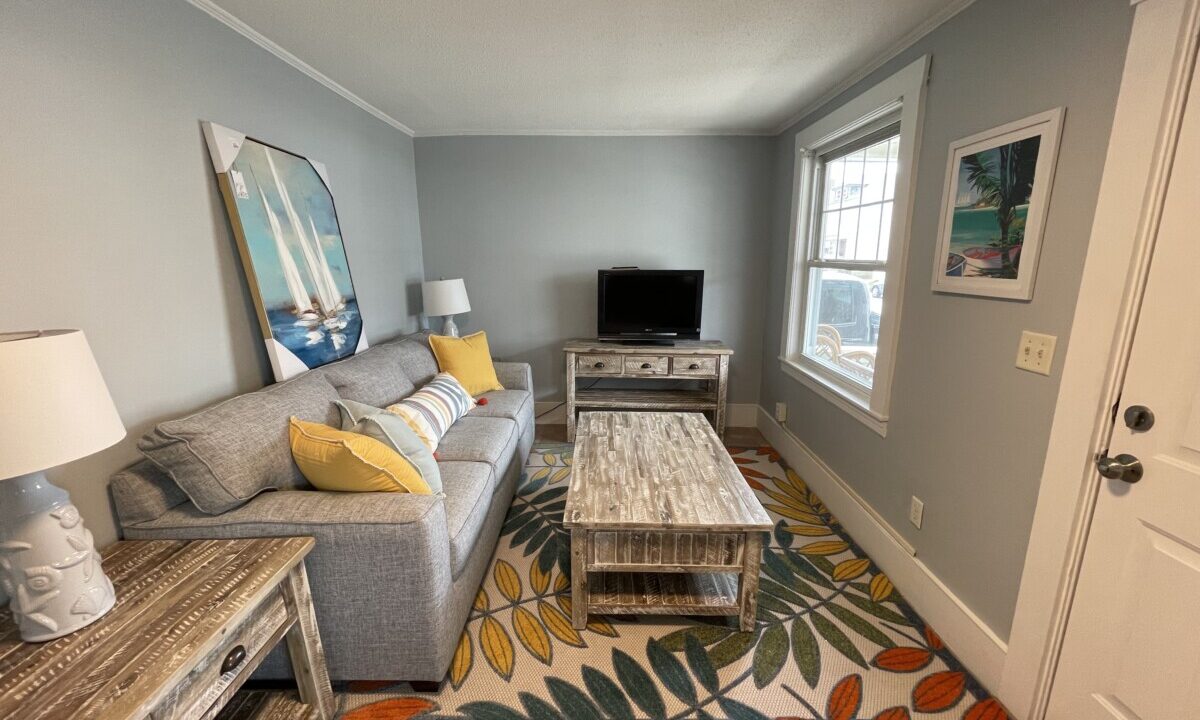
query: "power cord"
564, 402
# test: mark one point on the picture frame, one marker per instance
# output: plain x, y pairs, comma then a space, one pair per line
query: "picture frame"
290, 242
994, 205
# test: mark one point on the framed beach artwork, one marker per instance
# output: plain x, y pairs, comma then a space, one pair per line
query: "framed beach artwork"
994, 208
287, 232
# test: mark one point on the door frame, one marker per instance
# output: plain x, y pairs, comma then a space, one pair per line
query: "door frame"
1159, 65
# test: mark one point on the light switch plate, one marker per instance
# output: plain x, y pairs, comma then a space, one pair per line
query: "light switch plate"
1036, 352
780, 411
916, 512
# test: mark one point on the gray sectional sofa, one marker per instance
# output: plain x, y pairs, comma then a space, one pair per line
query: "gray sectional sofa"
393, 575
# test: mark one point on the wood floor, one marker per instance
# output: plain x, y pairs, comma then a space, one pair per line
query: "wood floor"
734, 436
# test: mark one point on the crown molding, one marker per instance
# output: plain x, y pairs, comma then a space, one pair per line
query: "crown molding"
226, 18
596, 133
877, 62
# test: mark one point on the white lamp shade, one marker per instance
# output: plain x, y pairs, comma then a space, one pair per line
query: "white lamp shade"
445, 297
54, 405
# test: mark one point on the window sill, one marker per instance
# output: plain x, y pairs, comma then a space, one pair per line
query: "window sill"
854, 404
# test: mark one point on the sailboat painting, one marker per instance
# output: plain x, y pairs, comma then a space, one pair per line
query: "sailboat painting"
288, 235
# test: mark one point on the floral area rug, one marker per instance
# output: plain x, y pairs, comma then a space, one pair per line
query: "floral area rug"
835, 640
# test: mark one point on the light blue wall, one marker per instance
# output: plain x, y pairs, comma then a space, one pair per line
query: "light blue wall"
527, 221
112, 220
968, 431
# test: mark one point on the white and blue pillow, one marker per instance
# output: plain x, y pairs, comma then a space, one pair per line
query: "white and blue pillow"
393, 431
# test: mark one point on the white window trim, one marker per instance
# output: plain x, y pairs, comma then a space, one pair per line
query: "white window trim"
905, 92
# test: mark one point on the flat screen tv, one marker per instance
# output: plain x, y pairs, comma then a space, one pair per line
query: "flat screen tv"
656, 305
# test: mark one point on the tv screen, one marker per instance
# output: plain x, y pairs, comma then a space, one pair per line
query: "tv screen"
650, 303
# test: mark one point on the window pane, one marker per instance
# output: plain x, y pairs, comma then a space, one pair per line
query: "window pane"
852, 182
885, 231
855, 219
889, 187
867, 247
843, 321
875, 172
834, 170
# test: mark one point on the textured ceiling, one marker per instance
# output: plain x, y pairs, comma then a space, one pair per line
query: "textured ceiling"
604, 66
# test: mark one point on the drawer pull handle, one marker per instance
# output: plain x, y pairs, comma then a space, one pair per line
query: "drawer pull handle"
646, 366
598, 365
693, 366
235, 657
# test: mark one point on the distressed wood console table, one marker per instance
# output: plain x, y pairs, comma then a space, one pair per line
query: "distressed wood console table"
705, 361
193, 619
661, 520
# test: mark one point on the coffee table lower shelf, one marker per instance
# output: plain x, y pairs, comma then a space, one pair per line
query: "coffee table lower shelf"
663, 593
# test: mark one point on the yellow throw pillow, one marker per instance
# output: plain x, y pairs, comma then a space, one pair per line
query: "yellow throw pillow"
468, 360
348, 462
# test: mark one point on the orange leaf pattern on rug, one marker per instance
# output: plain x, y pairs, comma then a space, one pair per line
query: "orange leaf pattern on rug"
903, 659
394, 709
833, 638
846, 698
987, 709
939, 691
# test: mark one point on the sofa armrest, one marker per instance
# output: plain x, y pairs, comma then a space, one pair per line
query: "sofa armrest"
514, 375
302, 508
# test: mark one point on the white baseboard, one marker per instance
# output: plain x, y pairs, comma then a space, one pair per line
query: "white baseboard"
971, 640
737, 414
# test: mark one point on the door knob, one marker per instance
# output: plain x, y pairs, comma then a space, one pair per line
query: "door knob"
1123, 467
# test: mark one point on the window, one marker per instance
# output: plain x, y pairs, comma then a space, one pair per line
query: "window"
852, 193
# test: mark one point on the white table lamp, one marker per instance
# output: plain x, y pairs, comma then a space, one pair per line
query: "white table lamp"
56, 409
446, 298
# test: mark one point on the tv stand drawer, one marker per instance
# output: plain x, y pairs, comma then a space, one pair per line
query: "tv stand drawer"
694, 366
598, 365
647, 365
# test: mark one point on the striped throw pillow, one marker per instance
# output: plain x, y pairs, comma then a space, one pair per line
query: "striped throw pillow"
431, 410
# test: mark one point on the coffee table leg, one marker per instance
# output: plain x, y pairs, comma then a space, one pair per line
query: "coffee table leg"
748, 582
579, 590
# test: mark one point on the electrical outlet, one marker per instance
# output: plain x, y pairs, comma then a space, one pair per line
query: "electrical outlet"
1036, 352
781, 411
916, 512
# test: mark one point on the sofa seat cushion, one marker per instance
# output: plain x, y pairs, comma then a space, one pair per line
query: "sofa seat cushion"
482, 440
374, 377
468, 490
512, 404
226, 454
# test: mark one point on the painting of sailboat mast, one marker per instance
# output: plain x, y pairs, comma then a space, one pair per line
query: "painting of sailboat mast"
292, 246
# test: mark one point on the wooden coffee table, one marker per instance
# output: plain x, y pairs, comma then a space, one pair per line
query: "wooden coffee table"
661, 520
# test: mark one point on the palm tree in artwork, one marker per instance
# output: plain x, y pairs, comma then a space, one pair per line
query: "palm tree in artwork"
1003, 178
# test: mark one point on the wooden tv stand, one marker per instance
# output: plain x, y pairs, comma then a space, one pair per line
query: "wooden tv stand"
705, 363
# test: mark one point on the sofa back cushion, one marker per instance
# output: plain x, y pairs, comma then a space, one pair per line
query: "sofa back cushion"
375, 377
416, 358
226, 454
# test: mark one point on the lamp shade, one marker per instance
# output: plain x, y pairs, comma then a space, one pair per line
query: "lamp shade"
56, 407
445, 297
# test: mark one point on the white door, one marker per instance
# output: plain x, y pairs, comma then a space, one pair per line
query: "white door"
1132, 648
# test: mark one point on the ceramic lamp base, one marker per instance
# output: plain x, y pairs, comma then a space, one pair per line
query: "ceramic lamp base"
448, 327
49, 567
